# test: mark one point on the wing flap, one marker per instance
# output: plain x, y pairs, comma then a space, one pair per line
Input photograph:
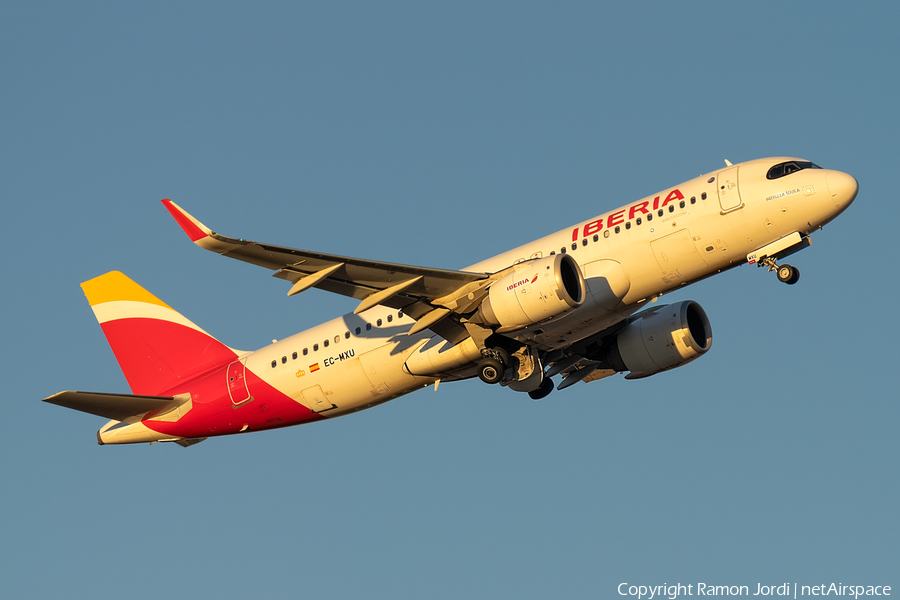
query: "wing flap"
112, 406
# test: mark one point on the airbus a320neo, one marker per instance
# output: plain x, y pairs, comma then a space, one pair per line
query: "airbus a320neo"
578, 304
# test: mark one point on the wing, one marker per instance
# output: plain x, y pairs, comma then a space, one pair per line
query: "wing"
425, 294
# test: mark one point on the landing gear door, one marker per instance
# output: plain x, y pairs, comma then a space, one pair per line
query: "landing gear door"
729, 192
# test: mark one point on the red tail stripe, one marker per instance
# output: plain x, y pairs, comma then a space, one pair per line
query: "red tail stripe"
157, 355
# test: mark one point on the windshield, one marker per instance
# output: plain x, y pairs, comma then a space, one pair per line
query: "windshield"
786, 168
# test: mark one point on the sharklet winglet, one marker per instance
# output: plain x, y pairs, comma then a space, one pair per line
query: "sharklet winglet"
191, 226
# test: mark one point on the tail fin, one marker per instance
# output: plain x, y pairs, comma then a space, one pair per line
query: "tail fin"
156, 347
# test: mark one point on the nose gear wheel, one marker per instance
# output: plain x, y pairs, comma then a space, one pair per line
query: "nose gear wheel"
788, 274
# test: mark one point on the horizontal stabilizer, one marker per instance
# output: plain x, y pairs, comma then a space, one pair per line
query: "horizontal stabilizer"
111, 406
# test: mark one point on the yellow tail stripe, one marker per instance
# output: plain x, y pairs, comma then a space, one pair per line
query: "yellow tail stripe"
115, 286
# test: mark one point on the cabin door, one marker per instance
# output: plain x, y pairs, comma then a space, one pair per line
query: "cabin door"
237, 383
729, 193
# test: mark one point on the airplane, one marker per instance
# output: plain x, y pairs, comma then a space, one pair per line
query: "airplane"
579, 303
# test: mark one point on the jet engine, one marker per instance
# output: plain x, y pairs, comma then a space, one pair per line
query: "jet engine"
534, 291
660, 339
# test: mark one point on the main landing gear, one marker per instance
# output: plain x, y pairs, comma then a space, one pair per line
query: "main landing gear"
497, 363
493, 364
543, 391
786, 273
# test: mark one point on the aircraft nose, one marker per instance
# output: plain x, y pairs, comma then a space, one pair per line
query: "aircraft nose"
843, 187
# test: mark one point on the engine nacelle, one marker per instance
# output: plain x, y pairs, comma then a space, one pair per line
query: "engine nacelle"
534, 291
660, 339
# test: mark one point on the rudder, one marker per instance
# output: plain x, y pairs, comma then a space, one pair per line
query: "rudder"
156, 347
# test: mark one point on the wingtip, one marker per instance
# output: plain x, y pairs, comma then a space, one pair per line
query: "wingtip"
194, 229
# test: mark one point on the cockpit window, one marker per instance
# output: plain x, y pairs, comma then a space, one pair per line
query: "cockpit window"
786, 168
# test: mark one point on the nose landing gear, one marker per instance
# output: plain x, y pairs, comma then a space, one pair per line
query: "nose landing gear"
786, 273
767, 256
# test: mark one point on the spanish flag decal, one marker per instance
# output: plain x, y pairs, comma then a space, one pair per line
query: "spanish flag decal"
314, 368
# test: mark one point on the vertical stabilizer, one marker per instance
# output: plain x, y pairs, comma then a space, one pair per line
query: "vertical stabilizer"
156, 347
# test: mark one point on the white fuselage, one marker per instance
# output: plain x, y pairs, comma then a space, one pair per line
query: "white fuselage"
627, 256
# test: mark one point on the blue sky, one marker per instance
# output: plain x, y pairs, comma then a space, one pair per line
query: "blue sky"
440, 135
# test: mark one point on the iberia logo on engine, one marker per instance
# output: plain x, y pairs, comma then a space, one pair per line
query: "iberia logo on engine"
521, 282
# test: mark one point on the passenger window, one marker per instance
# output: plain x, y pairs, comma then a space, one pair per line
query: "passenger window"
325, 343
552, 252
693, 199
649, 216
358, 330
390, 318
305, 351
562, 250
606, 233
638, 222
294, 356
681, 204
584, 242
628, 225
596, 237
703, 196
574, 245
400, 315
315, 347
337, 339
283, 359
274, 363
660, 212
671, 208
618, 229
347, 335
378, 322
368, 327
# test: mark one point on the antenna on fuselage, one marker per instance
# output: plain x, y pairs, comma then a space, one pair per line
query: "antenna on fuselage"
728, 163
